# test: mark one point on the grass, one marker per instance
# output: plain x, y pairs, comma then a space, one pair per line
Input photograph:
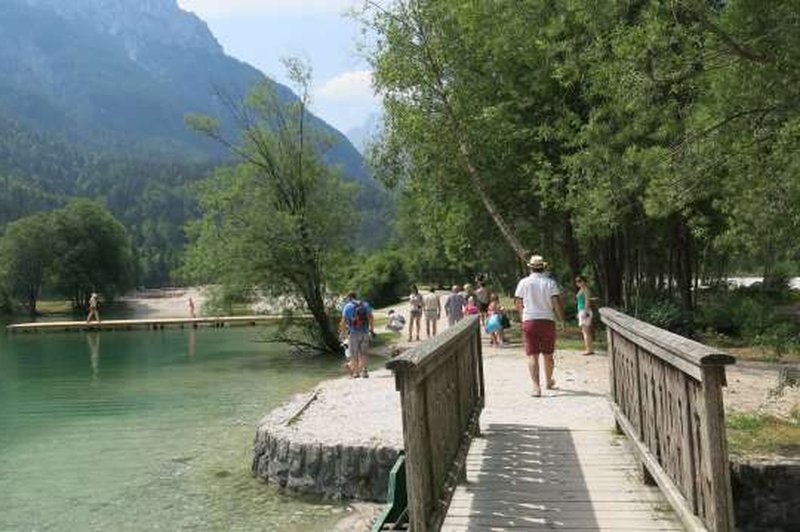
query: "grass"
751, 434
760, 354
569, 339
54, 306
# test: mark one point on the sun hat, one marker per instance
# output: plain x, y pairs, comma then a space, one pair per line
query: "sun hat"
536, 261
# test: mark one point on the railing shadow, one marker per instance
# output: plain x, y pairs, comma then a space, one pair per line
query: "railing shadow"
529, 478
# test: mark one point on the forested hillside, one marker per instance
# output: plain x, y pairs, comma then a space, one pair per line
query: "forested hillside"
93, 101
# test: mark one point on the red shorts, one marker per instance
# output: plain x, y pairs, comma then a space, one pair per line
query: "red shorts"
539, 336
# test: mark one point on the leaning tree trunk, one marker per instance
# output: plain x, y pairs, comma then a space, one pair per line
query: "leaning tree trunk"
465, 153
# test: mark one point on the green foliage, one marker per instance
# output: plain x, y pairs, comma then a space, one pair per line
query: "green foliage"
655, 143
92, 253
275, 223
666, 314
751, 315
73, 251
26, 255
381, 278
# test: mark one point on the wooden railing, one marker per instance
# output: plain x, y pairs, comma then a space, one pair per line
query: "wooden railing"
666, 394
442, 394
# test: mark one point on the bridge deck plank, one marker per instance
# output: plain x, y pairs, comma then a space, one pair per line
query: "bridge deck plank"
551, 462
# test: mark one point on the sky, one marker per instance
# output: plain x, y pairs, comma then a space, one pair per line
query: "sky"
261, 32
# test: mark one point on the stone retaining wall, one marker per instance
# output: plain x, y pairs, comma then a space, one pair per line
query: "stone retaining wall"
333, 471
766, 494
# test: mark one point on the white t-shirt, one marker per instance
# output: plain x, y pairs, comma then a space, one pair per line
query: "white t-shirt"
536, 292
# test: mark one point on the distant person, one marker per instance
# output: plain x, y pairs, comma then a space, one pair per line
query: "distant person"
94, 305
357, 320
454, 306
582, 302
192, 312
470, 308
483, 295
494, 322
396, 321
415, 302
433, 309
538, 300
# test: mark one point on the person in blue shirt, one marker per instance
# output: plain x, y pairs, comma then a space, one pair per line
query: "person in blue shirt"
357, 321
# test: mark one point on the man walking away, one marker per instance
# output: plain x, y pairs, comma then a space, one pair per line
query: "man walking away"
454, 306
433, 309
357, 318
538, 300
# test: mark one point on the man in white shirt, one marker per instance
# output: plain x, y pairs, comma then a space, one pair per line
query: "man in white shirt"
538, 300
433, 309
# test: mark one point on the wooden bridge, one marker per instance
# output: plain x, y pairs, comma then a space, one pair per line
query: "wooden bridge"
483, 455
154, 323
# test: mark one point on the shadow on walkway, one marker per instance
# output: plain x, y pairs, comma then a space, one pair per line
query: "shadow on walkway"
524, 477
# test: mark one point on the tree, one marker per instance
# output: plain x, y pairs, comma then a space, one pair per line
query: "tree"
274, 222
26, 254
91, 253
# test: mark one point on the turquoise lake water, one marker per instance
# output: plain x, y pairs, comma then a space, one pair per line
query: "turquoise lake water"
147, 430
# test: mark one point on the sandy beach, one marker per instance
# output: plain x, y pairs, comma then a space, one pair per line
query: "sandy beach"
164, 302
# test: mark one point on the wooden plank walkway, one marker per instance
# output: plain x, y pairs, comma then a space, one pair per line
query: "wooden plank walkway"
154, 323
552, 462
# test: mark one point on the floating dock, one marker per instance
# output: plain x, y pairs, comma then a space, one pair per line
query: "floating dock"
152, 324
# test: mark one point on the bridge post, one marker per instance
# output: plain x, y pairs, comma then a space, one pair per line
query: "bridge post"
441, 394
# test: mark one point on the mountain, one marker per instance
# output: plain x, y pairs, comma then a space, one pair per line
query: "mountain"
93, 97
119, 72
360, 136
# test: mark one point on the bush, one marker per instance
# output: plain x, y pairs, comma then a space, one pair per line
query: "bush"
382, 278
666, 314
6, 306
750, 314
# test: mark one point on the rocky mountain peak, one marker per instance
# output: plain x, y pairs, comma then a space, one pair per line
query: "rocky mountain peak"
138, 22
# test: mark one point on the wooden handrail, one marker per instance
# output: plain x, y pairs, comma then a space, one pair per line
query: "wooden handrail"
666, 393
442, 394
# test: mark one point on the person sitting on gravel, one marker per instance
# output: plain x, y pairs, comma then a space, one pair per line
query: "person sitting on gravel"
396, 322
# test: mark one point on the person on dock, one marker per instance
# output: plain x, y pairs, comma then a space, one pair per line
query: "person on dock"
538, 300
433, 309
192, 312
357, 319
584, 313
454, 306
94, 305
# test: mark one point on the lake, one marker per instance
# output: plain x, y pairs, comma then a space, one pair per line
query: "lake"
147, 430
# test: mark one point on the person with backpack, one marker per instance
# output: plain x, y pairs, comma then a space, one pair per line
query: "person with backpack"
357, 319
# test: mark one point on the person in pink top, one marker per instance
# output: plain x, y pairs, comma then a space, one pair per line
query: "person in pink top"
470, 309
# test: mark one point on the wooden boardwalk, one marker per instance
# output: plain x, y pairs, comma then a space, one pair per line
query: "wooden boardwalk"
552, 462
154, 323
